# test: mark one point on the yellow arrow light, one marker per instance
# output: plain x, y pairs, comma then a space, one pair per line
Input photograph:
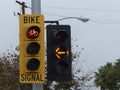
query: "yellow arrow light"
61, 53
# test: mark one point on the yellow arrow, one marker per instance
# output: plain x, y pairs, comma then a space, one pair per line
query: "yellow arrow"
61, 52
58, 53
67, 52
58, 56
57, 49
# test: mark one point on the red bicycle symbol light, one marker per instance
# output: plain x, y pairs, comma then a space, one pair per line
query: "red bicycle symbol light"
33, 32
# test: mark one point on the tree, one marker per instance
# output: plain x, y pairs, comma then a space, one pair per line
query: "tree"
105, 77
9, 72
117, 69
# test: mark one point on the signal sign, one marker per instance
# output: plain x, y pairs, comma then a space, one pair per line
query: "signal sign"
32, 62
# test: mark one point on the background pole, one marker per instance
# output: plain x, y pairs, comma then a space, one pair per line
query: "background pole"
36, 6
36, 9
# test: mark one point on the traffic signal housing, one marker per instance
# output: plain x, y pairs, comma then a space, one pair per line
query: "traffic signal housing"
32, 63
59, 53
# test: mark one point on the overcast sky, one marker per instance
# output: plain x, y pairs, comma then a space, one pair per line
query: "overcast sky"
100, 36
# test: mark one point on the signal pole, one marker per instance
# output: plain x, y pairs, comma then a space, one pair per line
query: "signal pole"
36, 6
36, 9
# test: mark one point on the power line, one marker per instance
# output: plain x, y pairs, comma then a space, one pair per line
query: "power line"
83, 9
53, 14
105, 21
101, 21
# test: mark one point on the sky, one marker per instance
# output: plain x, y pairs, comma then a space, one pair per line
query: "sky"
99, 36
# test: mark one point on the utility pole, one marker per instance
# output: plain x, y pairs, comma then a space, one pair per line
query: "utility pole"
36, 9
23, 6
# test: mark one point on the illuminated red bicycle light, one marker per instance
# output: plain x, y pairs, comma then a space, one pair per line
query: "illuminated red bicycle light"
33, 32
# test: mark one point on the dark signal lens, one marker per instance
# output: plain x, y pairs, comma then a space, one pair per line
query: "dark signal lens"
61, 36
33, 32
61, 67
33, 48
33, 64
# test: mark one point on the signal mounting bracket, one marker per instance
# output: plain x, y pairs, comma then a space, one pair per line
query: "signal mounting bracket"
52, 22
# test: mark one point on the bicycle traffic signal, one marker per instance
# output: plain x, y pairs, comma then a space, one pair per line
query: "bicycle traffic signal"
32, 64
58, 53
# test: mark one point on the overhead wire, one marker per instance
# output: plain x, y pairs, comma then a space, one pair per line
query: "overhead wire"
101, 21
83, 9
53, 14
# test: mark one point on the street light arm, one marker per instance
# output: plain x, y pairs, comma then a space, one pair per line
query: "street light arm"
81, 19
57, 21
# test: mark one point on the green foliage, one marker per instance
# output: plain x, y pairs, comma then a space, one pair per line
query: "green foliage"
9, 72
108, 76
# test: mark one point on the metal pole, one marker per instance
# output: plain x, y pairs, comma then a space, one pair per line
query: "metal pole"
37, 87
36, 9
36, 6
